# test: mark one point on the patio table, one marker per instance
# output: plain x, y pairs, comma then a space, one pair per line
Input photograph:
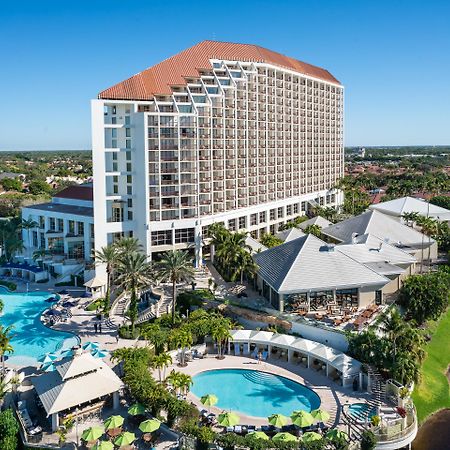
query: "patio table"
114, 432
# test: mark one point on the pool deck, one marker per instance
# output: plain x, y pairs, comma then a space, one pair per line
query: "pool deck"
332, 396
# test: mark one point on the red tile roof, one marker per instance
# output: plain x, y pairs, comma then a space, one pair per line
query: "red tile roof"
173, 71
77, 192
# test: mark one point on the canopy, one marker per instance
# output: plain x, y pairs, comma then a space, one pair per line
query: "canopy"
228, 419
92, 434
209, 400
150, 425
95, 282
311, 436
302, 418
113, 422
284, 437
278, 420
136, 410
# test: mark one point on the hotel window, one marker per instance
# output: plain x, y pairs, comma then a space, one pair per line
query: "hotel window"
128, 143
127, 132
289, 210
114, 110
35, 238
113, 120
128, 167
127, 120
114, 143
42, 239
51, 224
232, 224
130, 215
80, 228
129, 179
262, 216
60, 225
114, 133
129, 190
253, 219
130, 203
114, 156
280, 213
71, 227
296, 208
41, 222
242, 222
184, 235
272, 214
163, 237
128, 155
303, 206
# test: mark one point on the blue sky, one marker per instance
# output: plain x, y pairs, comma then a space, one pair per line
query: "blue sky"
392, 56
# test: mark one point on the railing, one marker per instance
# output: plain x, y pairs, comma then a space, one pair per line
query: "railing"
390, 433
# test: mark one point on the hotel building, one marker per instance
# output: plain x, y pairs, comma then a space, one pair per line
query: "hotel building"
220, 132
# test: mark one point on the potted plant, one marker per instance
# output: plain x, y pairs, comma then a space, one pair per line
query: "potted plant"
375, 420
403, 396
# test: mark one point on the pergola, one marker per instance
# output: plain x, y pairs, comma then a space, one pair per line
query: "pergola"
311, 352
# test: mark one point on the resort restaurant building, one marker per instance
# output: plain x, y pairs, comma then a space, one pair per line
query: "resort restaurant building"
386, 228
78, 385
265, 344
307, 273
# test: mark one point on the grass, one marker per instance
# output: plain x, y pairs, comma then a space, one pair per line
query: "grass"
433, 393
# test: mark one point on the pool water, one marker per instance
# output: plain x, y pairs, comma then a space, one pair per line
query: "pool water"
359, 410
254, 393
31, 339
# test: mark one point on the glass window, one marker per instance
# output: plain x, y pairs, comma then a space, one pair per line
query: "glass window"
163, 237
232, 224
71, 227
262, 216
127, 120
128, 143
253, 219
80, 228
273, 214
242, 222
128, 154
51, 224
127, 132
184, 235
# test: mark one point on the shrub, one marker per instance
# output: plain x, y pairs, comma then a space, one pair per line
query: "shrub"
8, 284
368, 440
230, 440
9, 429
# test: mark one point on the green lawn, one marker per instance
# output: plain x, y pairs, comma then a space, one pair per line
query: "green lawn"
433, 393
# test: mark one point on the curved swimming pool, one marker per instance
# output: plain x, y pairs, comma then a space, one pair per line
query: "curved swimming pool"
31, 339
254, 393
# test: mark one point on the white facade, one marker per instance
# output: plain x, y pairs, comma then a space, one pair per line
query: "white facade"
246, 144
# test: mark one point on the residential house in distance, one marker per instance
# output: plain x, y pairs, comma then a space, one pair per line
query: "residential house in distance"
65, 229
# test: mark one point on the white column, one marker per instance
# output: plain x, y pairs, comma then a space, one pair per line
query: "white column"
115, 400
247, 348
55, 421
308, 361
198, 246
290, 354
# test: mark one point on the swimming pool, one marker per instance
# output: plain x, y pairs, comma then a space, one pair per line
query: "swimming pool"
31, 339
254, 393
362, 410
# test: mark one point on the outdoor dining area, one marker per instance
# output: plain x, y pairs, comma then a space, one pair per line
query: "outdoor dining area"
302, 426
266, 345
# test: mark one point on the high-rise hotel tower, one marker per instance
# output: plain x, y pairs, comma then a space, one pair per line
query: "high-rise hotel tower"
220, 132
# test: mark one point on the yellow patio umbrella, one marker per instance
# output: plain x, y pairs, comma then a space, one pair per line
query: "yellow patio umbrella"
113, 422
302, 418
320, 415
228, 419
92, 434
311, 436
278, 420
284, 437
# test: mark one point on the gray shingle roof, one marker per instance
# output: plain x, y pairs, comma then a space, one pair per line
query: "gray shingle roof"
320, 221
63, 209
290, 234
377, 224
308, 263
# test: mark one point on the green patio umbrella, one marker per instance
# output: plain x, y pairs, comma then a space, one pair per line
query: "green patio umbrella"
92, 434
209, 400
126, 438
113, 422
311, 436
302, 418
320, 415
136, 410
335, 435
150, 425
259, 435
228, 419
278, 420
284, 437
103, 445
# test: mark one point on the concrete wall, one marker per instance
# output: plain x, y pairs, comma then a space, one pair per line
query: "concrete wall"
366, 297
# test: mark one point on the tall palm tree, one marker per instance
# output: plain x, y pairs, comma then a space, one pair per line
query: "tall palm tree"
128, 245
181, 339
220, 332
161, 362
175, 266
135, 272
109, 257
393, 326
5, 343
10, 239
28, 225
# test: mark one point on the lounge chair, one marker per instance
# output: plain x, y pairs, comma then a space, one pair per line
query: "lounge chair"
264, 355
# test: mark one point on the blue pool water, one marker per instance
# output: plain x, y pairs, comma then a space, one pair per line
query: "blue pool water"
360, 410
31, 339
254, 393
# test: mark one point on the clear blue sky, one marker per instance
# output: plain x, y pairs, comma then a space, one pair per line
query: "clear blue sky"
392, 56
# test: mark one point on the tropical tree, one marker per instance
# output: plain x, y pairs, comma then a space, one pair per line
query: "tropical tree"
175, 266
9, 430
5, 343
128, 245
28, 225
181, 339
155, 335
220, 332
162, 362
269, 240
135, 272
11, 243
107, 256
392, 325
411, 218
315, 230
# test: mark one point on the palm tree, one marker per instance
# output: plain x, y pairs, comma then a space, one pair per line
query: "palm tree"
181, 339
28, 224
175, 266
220, 332
109, 257
128, 245
180, 382
315, 230
10, 239
392, 326
185, 383
5, 343
135, 272
161, 362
